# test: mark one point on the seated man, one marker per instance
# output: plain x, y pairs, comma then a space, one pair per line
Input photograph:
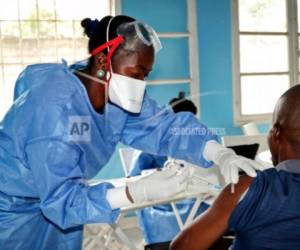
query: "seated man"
264, 212
158, 223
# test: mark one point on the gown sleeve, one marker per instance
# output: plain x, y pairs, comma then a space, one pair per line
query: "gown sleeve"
66, 199
160, 131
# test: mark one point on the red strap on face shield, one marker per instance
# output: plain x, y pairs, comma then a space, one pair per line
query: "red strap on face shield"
114, 44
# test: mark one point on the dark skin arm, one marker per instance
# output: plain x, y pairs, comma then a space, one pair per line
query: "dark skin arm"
211, 225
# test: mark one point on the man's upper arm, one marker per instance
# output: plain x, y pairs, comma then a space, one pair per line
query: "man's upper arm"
211, 225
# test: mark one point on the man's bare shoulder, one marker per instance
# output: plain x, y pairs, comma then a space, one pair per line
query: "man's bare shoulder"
228, 200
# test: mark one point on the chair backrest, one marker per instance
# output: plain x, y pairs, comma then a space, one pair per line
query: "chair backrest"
126, 155
250, 129
246, 140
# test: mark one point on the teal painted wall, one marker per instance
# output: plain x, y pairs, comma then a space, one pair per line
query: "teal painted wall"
215, 49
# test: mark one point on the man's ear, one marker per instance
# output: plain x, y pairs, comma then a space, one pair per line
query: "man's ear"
277, 133
100, 61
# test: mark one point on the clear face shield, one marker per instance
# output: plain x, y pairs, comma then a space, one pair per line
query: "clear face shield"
138, 35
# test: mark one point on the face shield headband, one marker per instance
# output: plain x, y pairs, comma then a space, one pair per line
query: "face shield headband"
111, 45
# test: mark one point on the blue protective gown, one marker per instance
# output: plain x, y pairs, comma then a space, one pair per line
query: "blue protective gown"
44, 198
268, 217
159, 223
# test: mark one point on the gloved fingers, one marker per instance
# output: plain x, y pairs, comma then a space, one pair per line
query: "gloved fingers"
227, 175
183, 176
247, 167
167, 173
258, 165
168, 163
172, 164
234, 175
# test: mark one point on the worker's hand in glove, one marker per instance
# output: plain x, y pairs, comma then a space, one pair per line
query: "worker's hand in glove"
201, 181
161, 184
230, 163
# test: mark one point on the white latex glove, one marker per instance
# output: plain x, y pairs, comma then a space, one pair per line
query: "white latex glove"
230, 163
201, 181
176, 165
159, 185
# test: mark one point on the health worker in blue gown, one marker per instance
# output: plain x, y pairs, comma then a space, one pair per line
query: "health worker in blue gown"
158, 223
64, 126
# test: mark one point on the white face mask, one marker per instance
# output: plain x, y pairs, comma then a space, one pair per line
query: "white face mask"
126, 92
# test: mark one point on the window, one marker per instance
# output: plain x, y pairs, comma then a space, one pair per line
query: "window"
38, 31
265, 49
